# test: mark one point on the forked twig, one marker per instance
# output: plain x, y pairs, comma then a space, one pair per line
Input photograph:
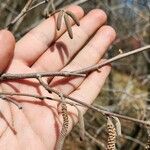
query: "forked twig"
26, 7
23, 12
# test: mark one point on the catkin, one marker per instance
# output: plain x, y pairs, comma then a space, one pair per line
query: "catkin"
81, 124
73, 16
117, 126
68, 25
59, 20
63, 133
111, 135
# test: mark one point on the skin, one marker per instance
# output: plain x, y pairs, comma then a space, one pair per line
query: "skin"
43, 49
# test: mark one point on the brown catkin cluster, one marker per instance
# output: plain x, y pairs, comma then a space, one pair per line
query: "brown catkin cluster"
111, 135
63, 133
66, 14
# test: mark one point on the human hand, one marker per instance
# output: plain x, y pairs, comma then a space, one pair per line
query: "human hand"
37, 126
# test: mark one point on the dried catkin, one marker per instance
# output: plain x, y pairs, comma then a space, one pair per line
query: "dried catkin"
59, 20
81, 124
68, 25
73, 16
118, 126
111, 135
63, 133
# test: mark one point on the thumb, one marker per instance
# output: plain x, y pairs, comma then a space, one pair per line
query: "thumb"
7, 44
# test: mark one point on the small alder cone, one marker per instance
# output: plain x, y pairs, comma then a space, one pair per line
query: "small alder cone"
111, 135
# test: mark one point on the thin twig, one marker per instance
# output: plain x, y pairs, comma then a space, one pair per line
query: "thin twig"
6, 98
102, 145
47, 8
78, 102
133, 140
104, 112
37, 97
116, 58
79, 2
78, 73
23, 12
18, 23
8, 76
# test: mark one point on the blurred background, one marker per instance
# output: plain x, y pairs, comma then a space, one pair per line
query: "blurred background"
127, 90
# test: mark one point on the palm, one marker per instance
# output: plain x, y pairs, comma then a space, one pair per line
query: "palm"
37, 125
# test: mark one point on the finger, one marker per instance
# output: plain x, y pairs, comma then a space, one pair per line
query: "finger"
90, 55
24, 131
7, 44
91, 86
65, 48
87, 92
33, 44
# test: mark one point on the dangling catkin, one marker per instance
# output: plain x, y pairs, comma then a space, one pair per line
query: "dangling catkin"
117, 126
68, 25
63, 133
81, 124
111, 135
73, 16
59, 20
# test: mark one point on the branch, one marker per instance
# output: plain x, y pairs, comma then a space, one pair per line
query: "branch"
116, 58
25, 11
103, 112
108, 113
102, 145
18, 23
3, 94
47, 9
8, 76
76, 102
78, 73
133, 140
